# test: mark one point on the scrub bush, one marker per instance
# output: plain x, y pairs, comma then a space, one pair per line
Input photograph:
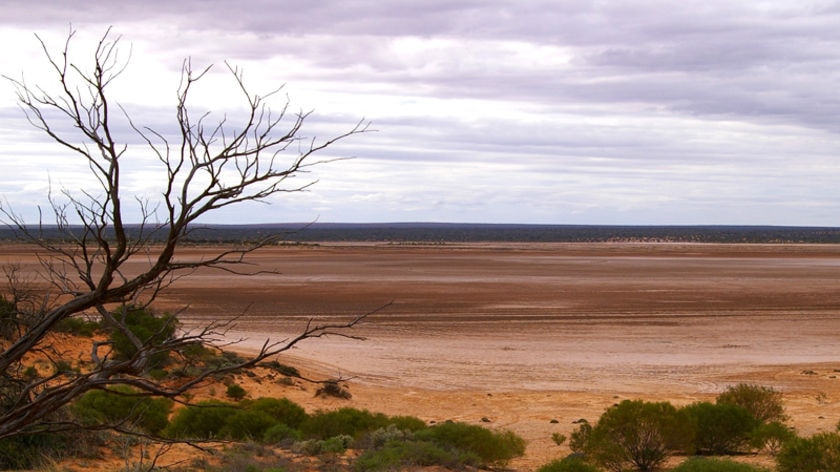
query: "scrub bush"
407, 423
247, 425
344, 421
763, 403
819, 453
235, 392
282, 410
700, 464
771, 436
634, 434
78, 326
148, 328
721, 428
315, 447
122, 405
203, 420
30, 451
281, 432
569, 464
491, 448
405, 455
263, 419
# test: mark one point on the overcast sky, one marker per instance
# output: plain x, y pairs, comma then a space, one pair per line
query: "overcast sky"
563, 112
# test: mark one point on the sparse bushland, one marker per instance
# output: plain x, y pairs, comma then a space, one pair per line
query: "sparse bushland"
385, 443
277, 423
452, 445
408, 454
639, 435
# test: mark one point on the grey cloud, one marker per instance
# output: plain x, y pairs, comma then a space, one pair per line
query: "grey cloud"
645, 108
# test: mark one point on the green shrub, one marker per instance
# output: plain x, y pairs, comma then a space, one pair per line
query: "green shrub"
280, 432
204, 420
569, 464
149, 328
197, 351
62, 366
333, 388
491, 448
283, 369
121, 405
224, 359
558, 438
771, 436
235, 392
382, 436
30, 451
344, 421
700, 464
244, 457
721, 428
763, 403
402, 455
246, 425
579, 439
819, 453
249, 420
334, 445
282, 410
158, 374
635, 434
78, 326
407, 423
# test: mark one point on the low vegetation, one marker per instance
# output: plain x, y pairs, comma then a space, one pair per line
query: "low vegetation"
123, 407
380, 442
642, 436
633, 435
703, 464
385, 443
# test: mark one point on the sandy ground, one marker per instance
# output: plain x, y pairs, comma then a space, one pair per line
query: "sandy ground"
525, 334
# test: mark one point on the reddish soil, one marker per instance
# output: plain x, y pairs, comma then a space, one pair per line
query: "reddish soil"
525, 334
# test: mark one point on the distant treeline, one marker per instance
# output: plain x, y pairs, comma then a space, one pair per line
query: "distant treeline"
462, 233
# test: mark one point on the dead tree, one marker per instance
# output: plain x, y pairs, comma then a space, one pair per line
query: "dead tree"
205, 166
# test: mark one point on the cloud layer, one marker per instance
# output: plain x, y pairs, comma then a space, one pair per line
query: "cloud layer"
632, 112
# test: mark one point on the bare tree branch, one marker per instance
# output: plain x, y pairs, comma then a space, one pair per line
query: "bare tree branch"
209, 166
